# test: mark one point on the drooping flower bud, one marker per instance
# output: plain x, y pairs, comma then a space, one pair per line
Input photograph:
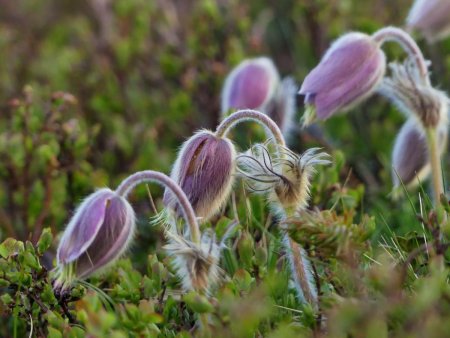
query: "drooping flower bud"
414, 95
204, 170
286, 180
251, 85
431, 18
347, 74
410, 157
98, 233
281, 108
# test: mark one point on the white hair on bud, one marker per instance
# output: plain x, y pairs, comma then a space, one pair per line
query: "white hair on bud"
195, 265
414, 96
286, 179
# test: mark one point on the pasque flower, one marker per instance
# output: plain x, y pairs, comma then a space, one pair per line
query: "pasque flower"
251, 85
204, 170
205, 165
431, 18
349, 72
98, 233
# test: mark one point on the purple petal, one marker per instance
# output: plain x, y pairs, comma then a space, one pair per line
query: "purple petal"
347, 73
204, 171
111, 240
250, 85
410, 154
249, 88
84, 226
431, 17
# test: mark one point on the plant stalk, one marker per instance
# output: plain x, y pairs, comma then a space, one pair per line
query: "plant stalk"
435, 162
132, 181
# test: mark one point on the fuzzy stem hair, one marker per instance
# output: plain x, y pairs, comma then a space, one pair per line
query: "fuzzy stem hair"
250, 115
132, 181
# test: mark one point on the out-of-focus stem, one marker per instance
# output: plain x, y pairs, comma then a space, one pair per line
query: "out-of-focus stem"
300, 268
301, 271
435, 161
408, 44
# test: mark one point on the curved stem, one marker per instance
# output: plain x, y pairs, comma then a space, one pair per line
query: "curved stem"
132, 181
435, 161
250, 115
408, 44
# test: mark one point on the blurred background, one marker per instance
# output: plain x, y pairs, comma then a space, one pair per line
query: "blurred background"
93, 90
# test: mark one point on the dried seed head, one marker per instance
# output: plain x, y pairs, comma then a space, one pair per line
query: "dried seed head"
196, 265
286, 180
410, 157
431, 18
348, 73
204, 170
414, 96
281, 108
250, 85
98, 233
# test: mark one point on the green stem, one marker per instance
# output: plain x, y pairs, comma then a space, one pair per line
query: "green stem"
435, 161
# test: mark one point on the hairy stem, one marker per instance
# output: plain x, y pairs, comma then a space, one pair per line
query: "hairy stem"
301, 270
407, 43
250, 115
132, 181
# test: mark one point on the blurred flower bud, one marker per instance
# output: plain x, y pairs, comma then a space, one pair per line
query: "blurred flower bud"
196, 264
410, 157
250, 85
281, 108
98, 233
414, 96
348, 73
431, 18
286, 180
204, 170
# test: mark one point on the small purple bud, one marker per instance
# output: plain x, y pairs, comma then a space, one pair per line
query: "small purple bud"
410, 157
98, 233
348, 73
250, 85
204, 170
431, 18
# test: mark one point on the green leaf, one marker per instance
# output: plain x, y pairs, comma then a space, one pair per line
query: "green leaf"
44, 241
11, 247
198, 303
54, 333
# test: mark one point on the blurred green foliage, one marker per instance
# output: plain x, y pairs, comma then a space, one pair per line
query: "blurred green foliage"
91, 91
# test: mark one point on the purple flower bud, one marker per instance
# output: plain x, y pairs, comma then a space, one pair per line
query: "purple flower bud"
348, 73
98, 233
431, 18
410, 157
204, 170
250, 85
